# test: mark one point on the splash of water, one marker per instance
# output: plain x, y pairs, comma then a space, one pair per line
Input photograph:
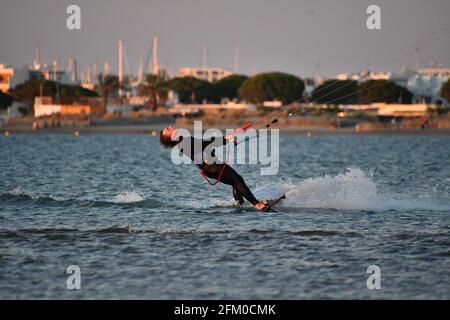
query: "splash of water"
353, 189
128, 197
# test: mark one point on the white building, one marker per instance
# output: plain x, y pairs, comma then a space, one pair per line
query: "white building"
426, 88
403, 110
273, 104
207, 74
184, 109
390, 109
43, 106
435, 72
425, 84
364, 76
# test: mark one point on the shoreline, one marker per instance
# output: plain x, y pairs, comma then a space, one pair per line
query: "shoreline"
153, 129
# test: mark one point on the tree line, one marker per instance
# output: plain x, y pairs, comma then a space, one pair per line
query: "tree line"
256, 89
272, 86
352, 92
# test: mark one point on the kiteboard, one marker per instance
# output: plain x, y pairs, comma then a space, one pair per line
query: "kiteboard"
270, 203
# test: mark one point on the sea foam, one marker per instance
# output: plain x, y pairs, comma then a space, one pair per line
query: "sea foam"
352, 189
128, 197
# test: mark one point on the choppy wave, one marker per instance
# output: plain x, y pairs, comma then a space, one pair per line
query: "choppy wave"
55, 233
128, 229
27, 198
126, 198
353, 189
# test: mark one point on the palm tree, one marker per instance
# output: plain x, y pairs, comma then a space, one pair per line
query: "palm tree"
154, 86
107, 84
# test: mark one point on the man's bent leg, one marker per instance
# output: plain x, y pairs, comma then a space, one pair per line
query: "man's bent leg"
237, 196
243, 190
231, 177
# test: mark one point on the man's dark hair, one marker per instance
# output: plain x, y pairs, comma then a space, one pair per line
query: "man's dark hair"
167, 142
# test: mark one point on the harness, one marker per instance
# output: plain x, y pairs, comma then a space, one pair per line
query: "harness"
204, 162
203, 174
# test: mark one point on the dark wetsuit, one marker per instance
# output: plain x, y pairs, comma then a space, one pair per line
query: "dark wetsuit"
213, 170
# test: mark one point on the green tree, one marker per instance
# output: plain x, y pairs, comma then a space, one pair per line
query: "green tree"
74, 91
5, 101
336, 92
192, 90
107, 85
27, 91
228, 87
155, 88
383, 91
272, 86
445, 91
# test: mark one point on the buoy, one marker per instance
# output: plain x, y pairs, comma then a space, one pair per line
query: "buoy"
7, 133
309, 134
76, 133
153, 133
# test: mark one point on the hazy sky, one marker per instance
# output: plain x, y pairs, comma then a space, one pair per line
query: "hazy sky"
273, 35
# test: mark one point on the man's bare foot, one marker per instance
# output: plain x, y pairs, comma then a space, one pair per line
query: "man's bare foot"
260, 206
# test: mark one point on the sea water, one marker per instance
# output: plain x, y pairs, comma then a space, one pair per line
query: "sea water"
138, 226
